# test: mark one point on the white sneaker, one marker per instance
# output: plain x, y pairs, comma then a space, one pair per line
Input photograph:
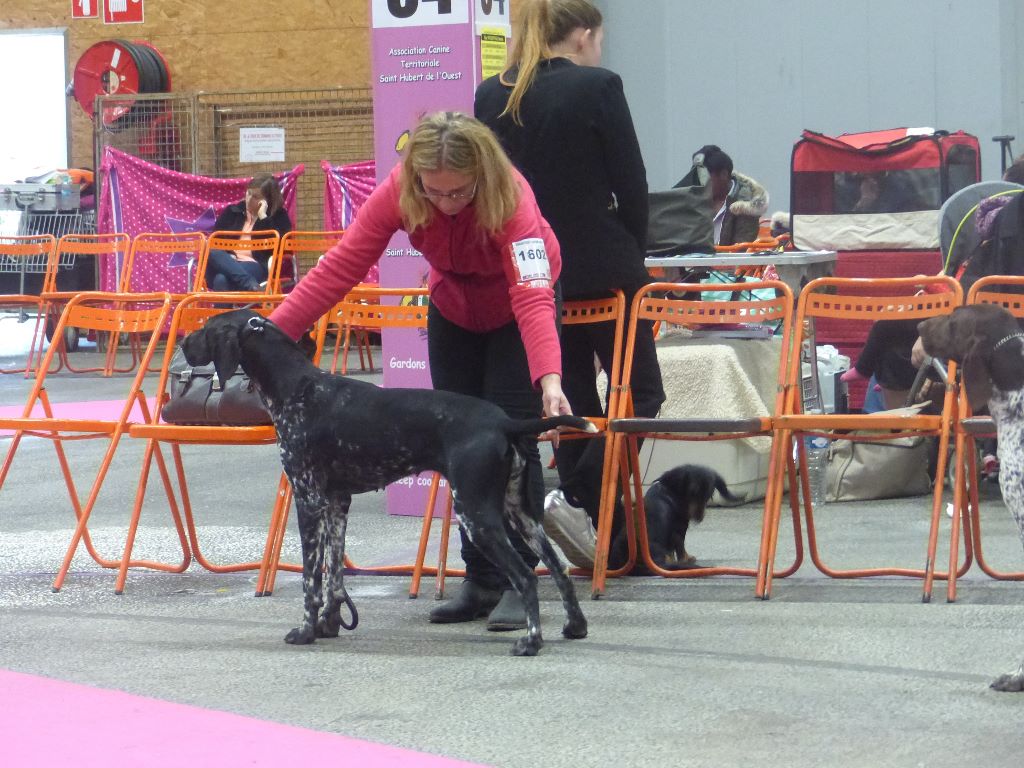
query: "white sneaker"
570, 528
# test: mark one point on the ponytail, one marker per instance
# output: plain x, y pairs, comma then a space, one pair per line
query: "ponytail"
543, 23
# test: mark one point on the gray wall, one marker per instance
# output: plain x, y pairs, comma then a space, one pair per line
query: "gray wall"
750, 75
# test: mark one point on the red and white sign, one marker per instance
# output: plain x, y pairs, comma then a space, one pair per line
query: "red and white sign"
85, 9
122, 11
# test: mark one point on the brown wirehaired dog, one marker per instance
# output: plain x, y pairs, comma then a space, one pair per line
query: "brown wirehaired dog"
987, 343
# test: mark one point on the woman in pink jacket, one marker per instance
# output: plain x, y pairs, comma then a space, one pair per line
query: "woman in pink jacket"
492, 330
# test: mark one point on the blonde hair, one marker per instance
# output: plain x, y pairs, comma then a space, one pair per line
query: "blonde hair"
542, 24
453, 141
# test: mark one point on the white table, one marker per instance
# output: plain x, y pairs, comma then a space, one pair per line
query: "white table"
795, 268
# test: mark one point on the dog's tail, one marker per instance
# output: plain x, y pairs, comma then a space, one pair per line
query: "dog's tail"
724, 492
536, 426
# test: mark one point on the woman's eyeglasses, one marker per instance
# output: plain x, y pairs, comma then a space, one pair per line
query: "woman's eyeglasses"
456, 197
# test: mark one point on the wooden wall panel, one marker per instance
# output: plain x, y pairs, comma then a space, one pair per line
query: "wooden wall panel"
239, 44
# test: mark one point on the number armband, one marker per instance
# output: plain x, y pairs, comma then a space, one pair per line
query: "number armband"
530, 262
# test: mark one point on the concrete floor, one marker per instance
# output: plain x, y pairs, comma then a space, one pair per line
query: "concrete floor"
674, 672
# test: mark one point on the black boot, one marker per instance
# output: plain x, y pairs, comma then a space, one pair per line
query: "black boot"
509, 614
472, 602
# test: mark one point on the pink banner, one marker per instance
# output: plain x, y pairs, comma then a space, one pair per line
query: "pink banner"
139, 196
346, 188
426, 58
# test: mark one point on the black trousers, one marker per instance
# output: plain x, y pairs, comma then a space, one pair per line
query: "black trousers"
580, 462
493, 367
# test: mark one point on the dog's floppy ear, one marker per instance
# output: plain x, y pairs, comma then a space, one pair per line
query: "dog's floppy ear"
974, 373
216, 342
225, 342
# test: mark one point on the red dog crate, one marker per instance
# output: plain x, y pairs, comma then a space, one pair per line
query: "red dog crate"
875, 198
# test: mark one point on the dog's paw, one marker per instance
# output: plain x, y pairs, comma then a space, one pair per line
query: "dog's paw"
300, 636
527, 646
575, 629
328, 627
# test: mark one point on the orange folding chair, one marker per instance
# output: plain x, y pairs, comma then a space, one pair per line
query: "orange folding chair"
683, 304
968, 428
183, 249
143, 314
23, 256
610, 310
865, 301
190, 314
260, 240
345, 333
70, 248
301, 250
362, 308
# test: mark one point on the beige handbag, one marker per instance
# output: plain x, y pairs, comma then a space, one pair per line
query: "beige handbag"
884, 470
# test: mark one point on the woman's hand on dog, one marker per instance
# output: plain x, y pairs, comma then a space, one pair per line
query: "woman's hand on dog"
555, 402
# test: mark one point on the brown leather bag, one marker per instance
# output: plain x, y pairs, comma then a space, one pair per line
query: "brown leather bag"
198, 397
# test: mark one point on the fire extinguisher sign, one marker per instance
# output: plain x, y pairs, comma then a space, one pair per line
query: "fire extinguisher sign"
122, 11
85, 9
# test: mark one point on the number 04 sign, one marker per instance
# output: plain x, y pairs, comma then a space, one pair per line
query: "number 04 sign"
419, 13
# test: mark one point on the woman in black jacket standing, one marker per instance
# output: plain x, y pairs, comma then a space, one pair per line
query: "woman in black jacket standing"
565, 124
261, 210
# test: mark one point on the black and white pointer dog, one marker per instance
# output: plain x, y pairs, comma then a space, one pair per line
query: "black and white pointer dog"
676, 499
339, 437
988, 345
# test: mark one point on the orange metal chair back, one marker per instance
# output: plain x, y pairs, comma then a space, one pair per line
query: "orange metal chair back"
106, 246
759, 245
259, 240
24, 255
354, 318
866, 301
303, 249
27, 254
185, 246
358, 309
679, 304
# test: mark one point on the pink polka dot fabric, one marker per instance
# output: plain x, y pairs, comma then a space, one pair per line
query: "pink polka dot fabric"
346, 189
139, 196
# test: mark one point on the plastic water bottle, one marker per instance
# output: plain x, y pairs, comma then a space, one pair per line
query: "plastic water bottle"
816, 447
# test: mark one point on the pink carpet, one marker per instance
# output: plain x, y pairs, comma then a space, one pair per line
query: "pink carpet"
46, 722
86, 409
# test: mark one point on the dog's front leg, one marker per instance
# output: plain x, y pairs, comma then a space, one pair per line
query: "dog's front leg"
310, 518
330, 621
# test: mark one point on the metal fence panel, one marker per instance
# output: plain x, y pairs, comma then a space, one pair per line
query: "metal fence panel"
199, 132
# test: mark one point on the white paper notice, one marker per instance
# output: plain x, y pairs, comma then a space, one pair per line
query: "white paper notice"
260, 145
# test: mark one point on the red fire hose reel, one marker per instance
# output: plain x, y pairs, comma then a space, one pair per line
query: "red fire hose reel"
118, 67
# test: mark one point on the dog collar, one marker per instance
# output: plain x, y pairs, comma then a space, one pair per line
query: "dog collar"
1017, 335
256, 324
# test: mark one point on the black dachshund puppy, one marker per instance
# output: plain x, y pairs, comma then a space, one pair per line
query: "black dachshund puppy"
676, 499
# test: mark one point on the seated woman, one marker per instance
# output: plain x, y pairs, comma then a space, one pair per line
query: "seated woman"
262, 209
